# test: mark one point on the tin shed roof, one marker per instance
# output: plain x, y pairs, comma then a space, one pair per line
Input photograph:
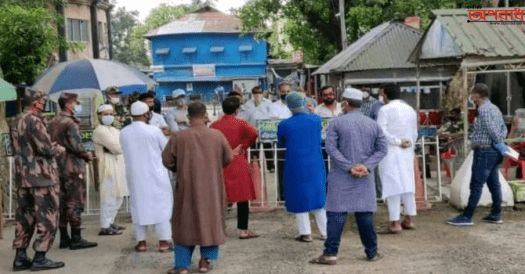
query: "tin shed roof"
386, 46
453, 34
205, 20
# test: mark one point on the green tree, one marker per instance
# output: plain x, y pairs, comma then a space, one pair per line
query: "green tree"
313, 27
28, 36
122, 24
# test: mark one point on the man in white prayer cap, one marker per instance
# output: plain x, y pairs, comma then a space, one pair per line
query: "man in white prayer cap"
149, 185
111, 170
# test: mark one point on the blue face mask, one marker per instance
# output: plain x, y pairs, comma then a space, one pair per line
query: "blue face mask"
78, 109
107, 120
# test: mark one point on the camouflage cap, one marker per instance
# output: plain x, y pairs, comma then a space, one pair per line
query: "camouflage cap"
69, 97
32, 95
113, 90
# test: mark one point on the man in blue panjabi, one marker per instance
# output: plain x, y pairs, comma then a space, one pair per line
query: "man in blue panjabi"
304, 174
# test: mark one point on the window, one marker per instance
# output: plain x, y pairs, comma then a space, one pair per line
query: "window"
189, 50
77, 30
162, 51
245, 51
217, 49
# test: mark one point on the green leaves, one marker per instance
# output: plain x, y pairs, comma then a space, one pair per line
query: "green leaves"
28, 37
311, 25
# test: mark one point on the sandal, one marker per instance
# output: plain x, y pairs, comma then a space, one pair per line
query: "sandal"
178, 271
109, 232
249, 235
204, 265
141, 247
117, 227
304, 238
165, 246
323, 260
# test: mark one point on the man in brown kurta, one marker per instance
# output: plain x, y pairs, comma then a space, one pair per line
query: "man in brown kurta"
198, 156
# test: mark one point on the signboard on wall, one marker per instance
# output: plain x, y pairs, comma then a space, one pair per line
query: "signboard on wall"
87, 139
298, 57
7, 149
413, 21
268, 129
204, 70
244, 86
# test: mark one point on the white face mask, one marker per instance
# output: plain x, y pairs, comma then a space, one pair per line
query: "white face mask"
78, 110
115, 100
107, 120
257, 98
470, 100
381, 99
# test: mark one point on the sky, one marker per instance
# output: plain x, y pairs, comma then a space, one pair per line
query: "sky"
144, 6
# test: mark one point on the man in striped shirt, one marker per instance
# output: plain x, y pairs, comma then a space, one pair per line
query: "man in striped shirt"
368, 101
487, 141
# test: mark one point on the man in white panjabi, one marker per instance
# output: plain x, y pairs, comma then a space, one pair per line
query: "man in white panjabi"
399, 123
151, 194
111, 171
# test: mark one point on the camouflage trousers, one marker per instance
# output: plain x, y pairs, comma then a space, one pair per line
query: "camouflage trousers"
37, 207
72, 201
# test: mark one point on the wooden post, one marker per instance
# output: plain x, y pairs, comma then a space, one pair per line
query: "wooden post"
421, 203
343, 23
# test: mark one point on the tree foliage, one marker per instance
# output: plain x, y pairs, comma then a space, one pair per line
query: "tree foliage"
313, 26
122, 23
28, 36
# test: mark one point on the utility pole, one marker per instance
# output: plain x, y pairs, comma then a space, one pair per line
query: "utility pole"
343, 23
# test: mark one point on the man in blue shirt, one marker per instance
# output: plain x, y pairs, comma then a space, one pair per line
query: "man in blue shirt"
487, 142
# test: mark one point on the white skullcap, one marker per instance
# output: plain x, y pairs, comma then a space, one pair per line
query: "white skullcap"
353, 93
178, 92
139, 108
103, 108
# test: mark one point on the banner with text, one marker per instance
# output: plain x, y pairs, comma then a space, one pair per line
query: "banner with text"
268, 129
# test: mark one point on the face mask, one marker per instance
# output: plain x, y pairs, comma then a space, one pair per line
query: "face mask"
283, 97
179, 102
115, 100
257, 98
107, 120
470, 100
78, 109
381, 100
366, 94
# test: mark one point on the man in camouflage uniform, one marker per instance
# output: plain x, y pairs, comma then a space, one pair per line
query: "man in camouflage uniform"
37, 182
122, 116
65, 130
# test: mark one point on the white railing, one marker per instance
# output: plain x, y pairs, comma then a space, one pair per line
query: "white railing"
269, 181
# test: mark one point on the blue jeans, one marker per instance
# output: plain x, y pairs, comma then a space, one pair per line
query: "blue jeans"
484, 169
184, 253
365, 224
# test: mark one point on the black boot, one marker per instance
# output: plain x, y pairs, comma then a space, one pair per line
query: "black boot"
40, 262
64, 238
77, 242
22, 262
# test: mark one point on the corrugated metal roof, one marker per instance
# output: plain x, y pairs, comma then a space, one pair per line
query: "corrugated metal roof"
384, 47
484, 39
205, 20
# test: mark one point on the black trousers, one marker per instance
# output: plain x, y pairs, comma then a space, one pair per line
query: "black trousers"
243, 211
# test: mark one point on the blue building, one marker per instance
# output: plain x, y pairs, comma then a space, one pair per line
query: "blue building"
204, 52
